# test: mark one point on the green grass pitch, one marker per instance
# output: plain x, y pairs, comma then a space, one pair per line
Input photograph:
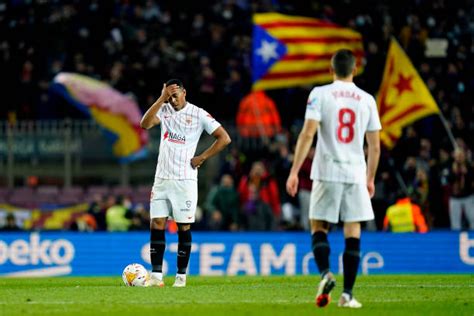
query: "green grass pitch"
242, 295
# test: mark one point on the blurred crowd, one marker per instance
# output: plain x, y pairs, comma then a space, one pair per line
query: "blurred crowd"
137, 45
249, 195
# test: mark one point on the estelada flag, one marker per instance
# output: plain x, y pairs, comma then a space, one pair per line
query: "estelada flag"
403, 96
289, 51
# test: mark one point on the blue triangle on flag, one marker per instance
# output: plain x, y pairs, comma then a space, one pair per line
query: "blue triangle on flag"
266, 51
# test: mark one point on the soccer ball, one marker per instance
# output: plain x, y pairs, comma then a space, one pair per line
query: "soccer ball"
135, 275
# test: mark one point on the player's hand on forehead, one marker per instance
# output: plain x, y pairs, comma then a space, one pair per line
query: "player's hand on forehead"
168, 91
174, 88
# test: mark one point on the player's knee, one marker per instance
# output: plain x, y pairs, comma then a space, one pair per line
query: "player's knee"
158, 223
352, 230
319, 226
184, 227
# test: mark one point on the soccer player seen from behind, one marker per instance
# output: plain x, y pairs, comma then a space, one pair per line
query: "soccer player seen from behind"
342, 182
174, 191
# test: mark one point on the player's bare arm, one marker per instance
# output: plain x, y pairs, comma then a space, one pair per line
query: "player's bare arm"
305, 140
373, 142
222, 140
150, 119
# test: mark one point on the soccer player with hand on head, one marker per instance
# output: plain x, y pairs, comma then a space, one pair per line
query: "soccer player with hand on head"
174, 191
343, 183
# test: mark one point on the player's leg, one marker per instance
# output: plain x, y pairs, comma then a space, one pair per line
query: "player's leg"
355, 208
350, 262
320, 245
157, 250
160, 209
184, 202
324, 209
184, 252
321, 251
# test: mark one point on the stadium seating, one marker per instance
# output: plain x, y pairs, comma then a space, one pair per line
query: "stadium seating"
53, 195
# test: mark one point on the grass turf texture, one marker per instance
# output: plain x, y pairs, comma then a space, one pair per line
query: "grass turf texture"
380, 295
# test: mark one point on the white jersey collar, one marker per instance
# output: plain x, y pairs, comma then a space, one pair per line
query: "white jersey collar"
346, 83
184, 106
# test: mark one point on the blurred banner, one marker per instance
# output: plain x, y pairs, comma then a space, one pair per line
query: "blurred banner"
403, 96
258, 116
293, 51
117, 114
218, 254
23, 216
55, 217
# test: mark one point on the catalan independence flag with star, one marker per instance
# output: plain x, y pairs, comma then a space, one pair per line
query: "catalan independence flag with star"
403, 97
291, 51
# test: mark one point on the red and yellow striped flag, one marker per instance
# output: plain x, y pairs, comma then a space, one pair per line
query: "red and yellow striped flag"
292, 51
403, 96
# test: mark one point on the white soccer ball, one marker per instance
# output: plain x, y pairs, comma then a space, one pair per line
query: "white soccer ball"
135, 275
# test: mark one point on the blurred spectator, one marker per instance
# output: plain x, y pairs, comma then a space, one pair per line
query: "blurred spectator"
408, 145
140, 218
289, 205
409, 173
84, 223
98, 209
265, 185
405, 216
440, 189
10, 224
118, 217
461, 179
424, 160
256, 214
421, 188
233, 164
222, 203
385, 195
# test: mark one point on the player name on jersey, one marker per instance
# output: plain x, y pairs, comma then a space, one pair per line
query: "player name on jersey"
346, 94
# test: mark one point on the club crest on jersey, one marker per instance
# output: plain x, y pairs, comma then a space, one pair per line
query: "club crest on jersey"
174, 137
189, 120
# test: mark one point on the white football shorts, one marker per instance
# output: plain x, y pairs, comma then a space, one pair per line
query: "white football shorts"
334, 201
174, 198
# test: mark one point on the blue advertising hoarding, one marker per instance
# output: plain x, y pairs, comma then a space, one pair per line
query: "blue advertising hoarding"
218, 254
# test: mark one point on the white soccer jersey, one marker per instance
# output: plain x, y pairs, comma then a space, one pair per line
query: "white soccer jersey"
180, 133
345, 113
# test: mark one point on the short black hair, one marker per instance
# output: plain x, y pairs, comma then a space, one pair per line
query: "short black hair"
177, 82
343, 62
